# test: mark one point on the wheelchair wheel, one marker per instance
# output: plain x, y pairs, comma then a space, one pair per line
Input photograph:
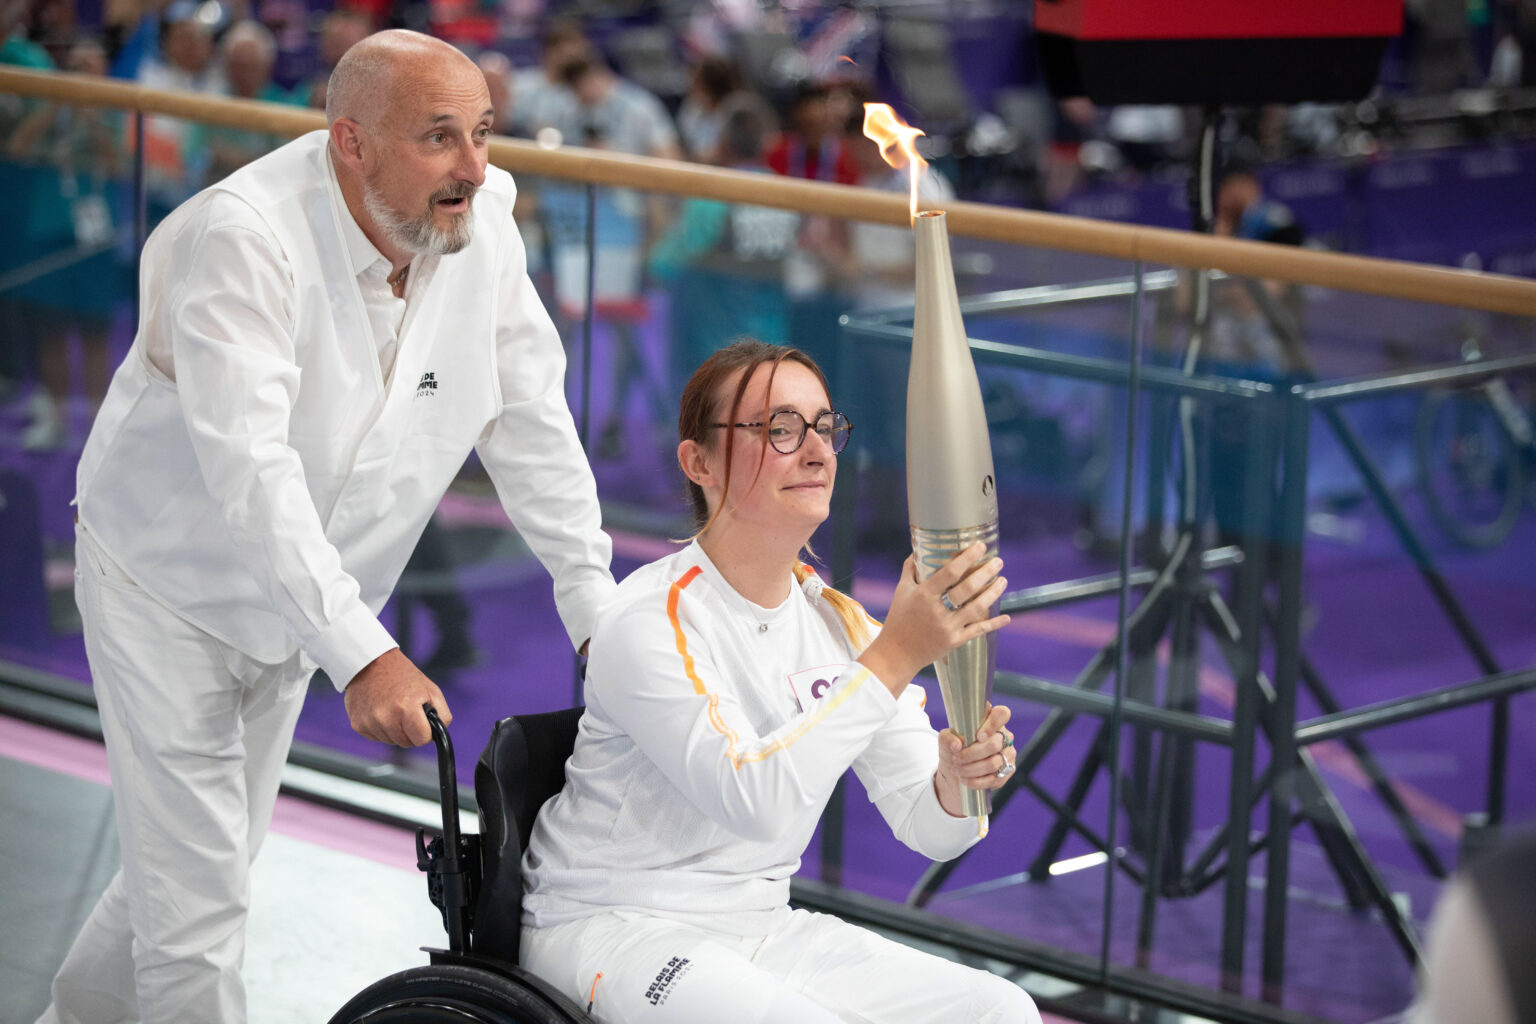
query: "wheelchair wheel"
451, 994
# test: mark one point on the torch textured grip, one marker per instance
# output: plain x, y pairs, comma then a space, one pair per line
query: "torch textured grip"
965, 673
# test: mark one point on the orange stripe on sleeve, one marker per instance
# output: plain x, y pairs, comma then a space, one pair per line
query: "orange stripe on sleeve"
673, 595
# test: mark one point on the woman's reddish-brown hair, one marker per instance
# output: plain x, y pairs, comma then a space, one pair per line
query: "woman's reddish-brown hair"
702, 405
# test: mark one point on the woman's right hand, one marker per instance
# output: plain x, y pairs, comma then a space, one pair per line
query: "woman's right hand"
921, 627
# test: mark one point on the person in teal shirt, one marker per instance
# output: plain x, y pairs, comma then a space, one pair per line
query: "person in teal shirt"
246, 56
725, 263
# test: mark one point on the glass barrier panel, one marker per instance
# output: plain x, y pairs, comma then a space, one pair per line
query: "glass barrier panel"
1361, 512
66, 319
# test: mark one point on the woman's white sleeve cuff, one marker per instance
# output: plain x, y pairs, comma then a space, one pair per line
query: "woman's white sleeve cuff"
938, 834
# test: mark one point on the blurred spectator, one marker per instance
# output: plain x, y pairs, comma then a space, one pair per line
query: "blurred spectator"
247, 53
499, 81
846, 96
467, 24
1505, 68
1441, 45
724, 262
544, 107
611, 113
1508, 64
1072, 126
618, 113
544, 99
185, 60
48, 25
16, 45
811, 146
341, 28
1242, 211
1247, 335
172, 168
18, 50
129, 33
699, 117
70, 158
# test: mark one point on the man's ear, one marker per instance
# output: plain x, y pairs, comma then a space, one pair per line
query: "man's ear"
693, 460
349, 143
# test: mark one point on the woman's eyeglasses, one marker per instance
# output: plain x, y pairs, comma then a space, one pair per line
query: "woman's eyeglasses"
787, 430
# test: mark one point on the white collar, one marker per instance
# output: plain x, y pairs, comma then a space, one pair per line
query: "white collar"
360, 250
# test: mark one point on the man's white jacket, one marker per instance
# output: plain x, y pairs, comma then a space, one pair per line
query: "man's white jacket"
251, 470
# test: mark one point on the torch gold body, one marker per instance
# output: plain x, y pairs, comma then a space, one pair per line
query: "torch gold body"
951, 490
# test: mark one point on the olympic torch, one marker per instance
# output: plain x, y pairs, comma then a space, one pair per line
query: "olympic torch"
951, 489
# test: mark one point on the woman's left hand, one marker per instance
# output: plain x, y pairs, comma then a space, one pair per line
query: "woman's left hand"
984, 764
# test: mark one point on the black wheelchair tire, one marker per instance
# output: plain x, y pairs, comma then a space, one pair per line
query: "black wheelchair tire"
451, 994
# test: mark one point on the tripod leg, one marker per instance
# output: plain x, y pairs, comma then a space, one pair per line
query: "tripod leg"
1156, 853
1069, 810
1243, 658
1355, 851
1356, 890
1174, 821
1201, 875
1141, 684
1363, 884
1379, 781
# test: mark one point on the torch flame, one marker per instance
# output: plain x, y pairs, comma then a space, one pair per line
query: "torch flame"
898, 143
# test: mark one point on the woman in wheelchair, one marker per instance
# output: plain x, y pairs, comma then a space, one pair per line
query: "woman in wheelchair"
727, 692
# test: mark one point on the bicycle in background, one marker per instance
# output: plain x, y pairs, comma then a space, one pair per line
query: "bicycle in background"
1475, 449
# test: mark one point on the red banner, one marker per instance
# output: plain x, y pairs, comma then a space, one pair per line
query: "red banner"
1218, 19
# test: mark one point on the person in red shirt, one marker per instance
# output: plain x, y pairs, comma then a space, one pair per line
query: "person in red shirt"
812, 146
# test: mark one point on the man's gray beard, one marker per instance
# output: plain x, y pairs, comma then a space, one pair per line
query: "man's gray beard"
419, 234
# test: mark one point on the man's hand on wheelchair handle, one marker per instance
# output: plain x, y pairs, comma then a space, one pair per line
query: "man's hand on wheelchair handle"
384, 701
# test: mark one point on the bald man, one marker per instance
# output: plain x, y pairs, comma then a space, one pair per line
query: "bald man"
325, 336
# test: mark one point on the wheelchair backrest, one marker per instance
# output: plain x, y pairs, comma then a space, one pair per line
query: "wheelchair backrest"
521, 767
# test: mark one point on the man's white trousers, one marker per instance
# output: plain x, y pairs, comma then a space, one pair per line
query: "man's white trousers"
196, 737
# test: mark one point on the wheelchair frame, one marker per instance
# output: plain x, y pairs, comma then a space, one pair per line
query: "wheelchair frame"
461, 984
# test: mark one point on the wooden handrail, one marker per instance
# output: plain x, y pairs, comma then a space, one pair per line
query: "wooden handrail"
1415, 282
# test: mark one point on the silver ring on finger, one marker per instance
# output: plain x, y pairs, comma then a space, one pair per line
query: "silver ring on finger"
946, 602
1006, 770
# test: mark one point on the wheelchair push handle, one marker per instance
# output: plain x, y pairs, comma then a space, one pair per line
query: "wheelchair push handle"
447, 780
447, 880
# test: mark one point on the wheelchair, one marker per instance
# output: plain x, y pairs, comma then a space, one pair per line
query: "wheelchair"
476, 881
